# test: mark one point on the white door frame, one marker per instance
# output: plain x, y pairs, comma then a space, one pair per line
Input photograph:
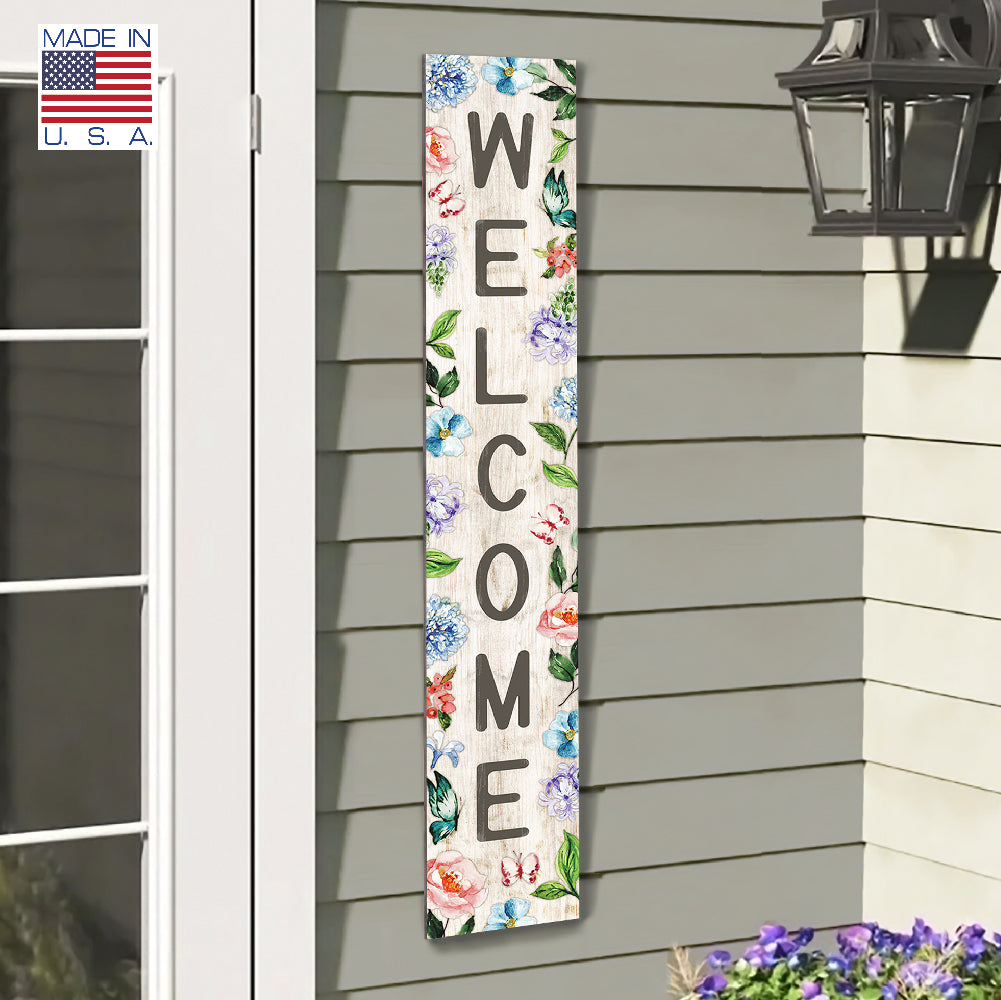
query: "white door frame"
284, 505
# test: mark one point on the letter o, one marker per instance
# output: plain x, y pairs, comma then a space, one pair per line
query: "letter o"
521, 593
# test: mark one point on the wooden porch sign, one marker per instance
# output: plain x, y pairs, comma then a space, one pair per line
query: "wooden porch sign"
500, 320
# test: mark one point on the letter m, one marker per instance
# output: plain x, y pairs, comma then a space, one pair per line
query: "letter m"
48, 40
487, 693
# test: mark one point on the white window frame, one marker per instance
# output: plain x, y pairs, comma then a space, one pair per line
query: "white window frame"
155, 581
284, 496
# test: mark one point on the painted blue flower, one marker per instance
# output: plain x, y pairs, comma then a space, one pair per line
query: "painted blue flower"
508, 74
564, 399
561, 795
513, 913
443, 428
439, 748
561, 735
439, 247
445, 630
553, 337
448, 81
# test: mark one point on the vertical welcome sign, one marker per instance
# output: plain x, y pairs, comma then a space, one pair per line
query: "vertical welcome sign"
502, 788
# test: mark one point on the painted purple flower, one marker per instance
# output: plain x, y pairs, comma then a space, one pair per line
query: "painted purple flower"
439, 247
716, 959
561, 793
553, 337
442, 503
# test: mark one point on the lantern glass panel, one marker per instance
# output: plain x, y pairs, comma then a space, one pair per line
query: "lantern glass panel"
835, 134
917, 39
846, 41
921, 139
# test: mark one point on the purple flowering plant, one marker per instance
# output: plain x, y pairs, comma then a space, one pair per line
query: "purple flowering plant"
869, 963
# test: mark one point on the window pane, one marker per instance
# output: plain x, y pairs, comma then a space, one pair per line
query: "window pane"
70, 698
70, 228
70, 920
70, 447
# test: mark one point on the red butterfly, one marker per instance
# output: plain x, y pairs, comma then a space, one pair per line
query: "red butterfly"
449, 203
526, 868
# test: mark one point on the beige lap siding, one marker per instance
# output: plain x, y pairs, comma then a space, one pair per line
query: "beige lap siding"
721, 378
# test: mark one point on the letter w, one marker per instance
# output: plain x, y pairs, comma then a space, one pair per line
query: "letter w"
483, 156
487, 693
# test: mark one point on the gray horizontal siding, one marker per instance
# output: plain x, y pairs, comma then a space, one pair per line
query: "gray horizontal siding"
624, 912
721, 358
369, 852
765, 730
717, 650
372, 584
777, 11
365, 406
623, 230
361, 316
620, 59
709, 482
668, 145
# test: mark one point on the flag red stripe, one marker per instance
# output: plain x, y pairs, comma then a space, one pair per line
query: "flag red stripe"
101, 109
91, 96
145, 54
97, 121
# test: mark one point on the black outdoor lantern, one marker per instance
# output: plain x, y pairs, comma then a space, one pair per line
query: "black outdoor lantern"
887, 106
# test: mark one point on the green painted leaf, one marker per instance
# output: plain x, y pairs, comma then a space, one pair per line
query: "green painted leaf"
443, 350
573, 654
568, 859
550, 890
539, 72
431, 375
573, 587
435, 928
560, 667
448, 384
552, 435
444, 720
557, 134
444, 326
553, 93
437, 563
568, 70
573, 540
467, 927
557, 568
567, 108
560, 475
428, 401
539, 252
552, 243
549, 272
572, 241
559, 151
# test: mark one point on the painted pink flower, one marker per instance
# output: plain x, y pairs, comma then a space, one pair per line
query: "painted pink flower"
440, 154
439, 695
559, 621
548, 523
455, 887
562, 258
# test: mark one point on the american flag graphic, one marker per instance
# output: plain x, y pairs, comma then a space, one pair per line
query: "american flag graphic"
97, 87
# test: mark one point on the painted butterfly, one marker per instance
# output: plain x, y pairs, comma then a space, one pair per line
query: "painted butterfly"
526, 868
448, 197
443, 803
